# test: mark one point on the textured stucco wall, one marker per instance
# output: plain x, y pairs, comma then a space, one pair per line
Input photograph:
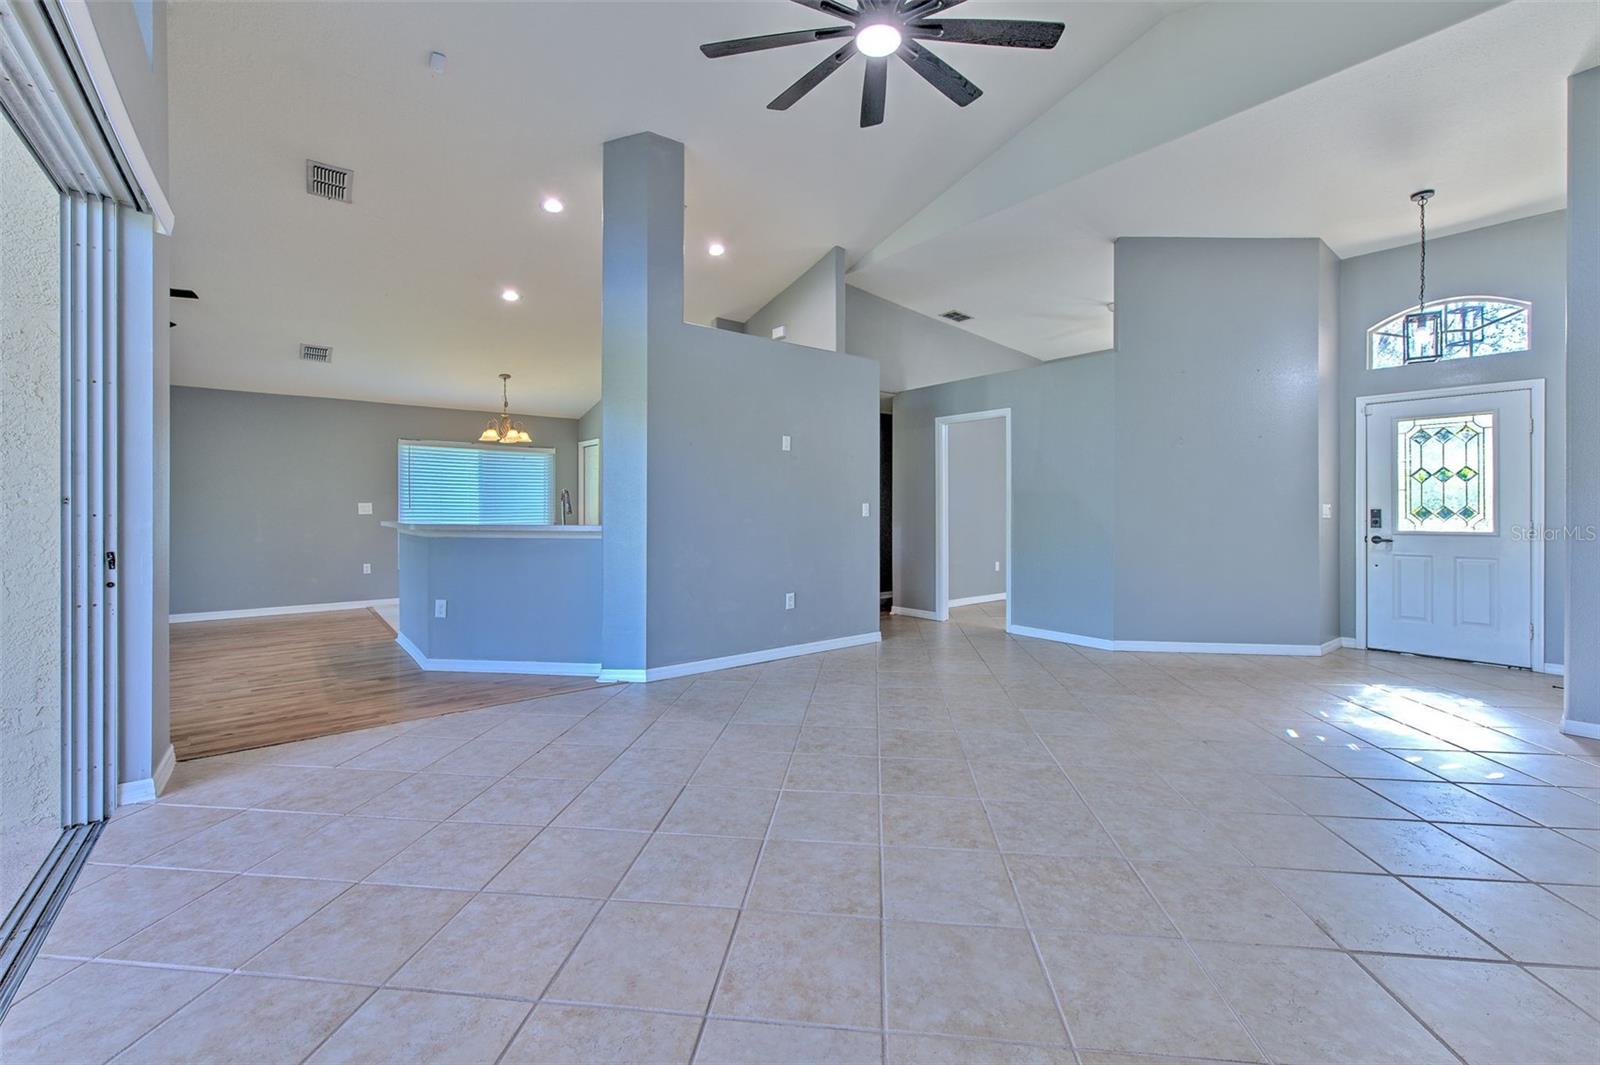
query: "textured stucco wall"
30, 514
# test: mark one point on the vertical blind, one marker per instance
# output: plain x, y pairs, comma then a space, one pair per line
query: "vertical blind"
469, 484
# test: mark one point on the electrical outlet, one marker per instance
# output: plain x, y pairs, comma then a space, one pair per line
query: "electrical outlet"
997, 566
780, 332
363, 508
866, 510
366, 567
438, 608
785, 443
788, 600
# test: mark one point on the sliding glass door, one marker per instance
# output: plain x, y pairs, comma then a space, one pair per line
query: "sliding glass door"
31, 512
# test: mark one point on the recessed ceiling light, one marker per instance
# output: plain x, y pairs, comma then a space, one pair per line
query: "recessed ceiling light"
552, 205
511, 295
716, 248
878, 40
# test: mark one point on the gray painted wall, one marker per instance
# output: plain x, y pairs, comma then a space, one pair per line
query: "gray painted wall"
1217, 441
977, 504
811, 308
589, 425
1328, 439
1063, 474
1525, 259
708, 522
1583, 397
513, 599
265, 487
735, 521
1167, 491
915, 351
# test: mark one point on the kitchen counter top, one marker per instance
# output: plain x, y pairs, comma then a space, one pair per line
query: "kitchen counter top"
498, 532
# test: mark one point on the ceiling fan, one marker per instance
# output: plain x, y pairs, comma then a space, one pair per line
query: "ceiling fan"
879, 29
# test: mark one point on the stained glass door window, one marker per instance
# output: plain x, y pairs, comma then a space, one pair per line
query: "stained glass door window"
1446, 469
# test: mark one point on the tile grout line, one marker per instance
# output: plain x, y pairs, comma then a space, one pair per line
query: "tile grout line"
733, 932
1166, 915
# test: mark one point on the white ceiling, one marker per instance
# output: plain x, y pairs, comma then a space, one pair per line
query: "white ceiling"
404, 283
1476, 110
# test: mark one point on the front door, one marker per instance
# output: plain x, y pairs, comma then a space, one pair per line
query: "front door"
1449, 521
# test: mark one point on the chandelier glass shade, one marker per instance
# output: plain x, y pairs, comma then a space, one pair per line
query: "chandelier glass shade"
1423, 332
501, 429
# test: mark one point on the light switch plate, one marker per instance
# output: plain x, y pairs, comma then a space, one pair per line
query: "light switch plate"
438, 608
363, 508
780, 332
786, 443
788, 600
866, 510
366, 567
1327, 510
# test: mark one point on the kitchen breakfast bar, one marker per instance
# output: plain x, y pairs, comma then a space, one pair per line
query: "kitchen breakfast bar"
500, 598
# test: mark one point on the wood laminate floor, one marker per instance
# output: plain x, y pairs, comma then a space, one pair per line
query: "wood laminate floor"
254, 682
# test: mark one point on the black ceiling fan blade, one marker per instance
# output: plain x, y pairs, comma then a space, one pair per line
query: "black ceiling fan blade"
811, 79
830, 7
874, 89
912, 10
741, 45
999, 32
939, 74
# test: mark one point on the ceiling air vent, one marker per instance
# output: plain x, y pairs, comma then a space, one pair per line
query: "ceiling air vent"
316, 353
956, 316
329, 182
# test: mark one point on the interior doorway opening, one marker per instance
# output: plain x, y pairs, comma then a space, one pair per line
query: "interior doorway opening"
973, 511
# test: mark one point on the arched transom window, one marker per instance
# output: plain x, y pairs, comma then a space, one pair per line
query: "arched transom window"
1467, 326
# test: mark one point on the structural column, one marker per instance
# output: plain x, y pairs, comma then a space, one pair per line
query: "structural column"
642, 282
1583, 404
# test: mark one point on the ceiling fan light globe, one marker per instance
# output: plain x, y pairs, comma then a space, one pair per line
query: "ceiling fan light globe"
878, 39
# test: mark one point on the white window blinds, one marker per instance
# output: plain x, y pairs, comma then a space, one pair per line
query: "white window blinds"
470, 484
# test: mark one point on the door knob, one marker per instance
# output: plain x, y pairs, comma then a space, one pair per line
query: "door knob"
1375, 539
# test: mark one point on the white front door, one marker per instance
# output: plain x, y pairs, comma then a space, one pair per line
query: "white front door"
1448, 525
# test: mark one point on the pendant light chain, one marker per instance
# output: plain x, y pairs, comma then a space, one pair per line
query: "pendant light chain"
1422, 259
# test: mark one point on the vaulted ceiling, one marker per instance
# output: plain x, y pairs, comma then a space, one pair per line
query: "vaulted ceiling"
1005, 209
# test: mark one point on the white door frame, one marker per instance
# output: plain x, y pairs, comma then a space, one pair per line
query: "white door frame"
941, 508
583, 479
1535, 389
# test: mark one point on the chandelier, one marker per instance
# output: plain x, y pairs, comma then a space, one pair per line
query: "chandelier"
502, 430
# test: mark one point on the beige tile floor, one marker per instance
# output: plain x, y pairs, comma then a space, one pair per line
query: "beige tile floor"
958, 846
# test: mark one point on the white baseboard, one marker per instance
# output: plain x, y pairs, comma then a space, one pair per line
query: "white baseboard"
913, 612
1062, 637
974, 600
1554, 669
622, 676
1348, 641
146, 790
273, 611
1159, 646
751, 658
1584, 729
484, 665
